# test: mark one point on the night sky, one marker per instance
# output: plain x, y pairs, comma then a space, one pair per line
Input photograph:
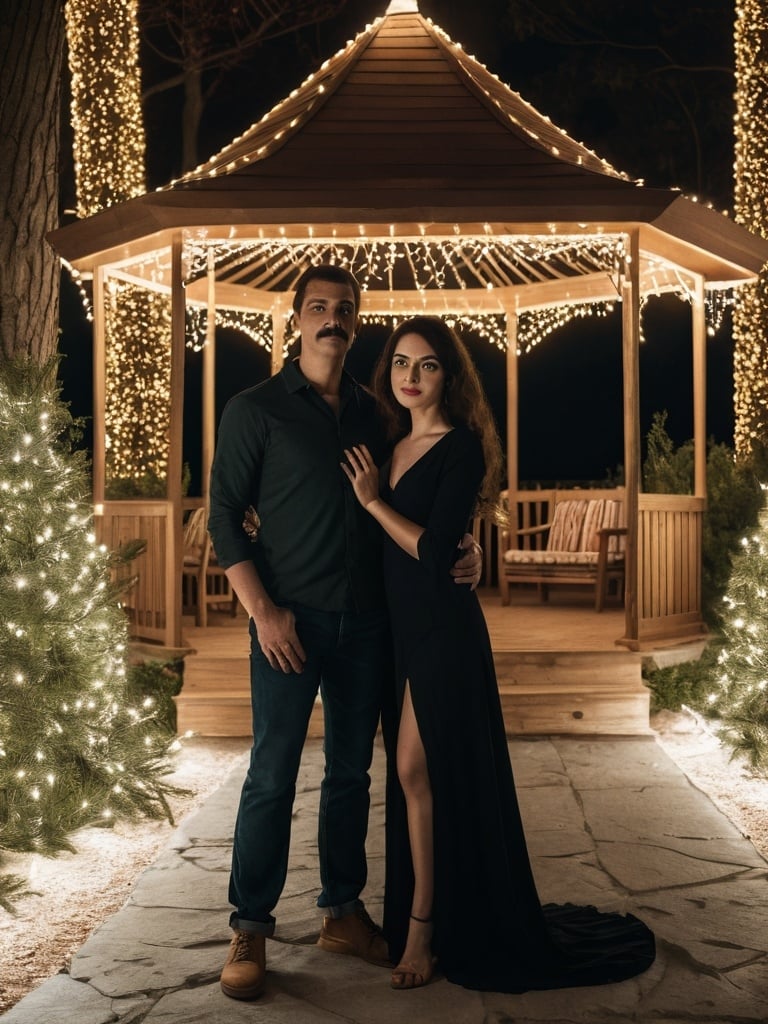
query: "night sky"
595, 82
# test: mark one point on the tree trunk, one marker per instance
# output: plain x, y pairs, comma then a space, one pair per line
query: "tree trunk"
31, 48
192, 115
750, 316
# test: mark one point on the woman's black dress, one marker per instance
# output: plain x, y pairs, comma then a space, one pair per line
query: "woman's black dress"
490, 930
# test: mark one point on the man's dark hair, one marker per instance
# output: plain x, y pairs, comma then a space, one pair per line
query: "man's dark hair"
325, 272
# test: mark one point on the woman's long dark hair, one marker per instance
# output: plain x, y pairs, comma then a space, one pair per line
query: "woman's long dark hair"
463, 398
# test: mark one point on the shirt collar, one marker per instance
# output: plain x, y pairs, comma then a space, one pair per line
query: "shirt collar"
296, 381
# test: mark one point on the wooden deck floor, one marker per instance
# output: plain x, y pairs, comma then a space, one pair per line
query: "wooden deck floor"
559, 666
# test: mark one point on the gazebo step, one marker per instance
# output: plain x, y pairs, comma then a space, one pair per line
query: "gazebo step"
217, 715
599, 692
596, 709
541, 692
612, 668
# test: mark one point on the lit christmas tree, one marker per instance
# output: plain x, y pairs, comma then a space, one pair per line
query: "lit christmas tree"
740, 695
79, 744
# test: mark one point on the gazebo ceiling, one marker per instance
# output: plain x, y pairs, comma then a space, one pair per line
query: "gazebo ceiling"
406, 158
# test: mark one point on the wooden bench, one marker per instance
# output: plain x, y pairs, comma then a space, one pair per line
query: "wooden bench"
564, 537
203, 581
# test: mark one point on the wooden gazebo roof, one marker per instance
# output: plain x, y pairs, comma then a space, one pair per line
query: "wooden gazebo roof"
401, 135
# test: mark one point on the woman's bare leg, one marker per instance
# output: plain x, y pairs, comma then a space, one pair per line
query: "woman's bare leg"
416, 964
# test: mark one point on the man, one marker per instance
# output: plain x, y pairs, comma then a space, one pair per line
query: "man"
306, 566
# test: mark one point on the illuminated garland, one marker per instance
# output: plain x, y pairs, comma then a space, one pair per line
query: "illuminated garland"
717, 303
464, 262
534, 325
109, 143
750, 321
442, 263
256, 326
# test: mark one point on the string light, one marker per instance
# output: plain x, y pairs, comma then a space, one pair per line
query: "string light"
464, 262
537, 324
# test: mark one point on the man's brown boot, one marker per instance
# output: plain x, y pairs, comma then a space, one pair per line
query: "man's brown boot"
356, 935
243, 974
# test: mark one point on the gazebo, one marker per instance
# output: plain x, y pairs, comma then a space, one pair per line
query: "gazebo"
445, 192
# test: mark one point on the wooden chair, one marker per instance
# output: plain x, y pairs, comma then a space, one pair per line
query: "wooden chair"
581, 542
203, 581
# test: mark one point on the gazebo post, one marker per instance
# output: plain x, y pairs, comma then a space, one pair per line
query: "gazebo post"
513, 439
698, 315
630, 324
174, 529
279, 309
209, 380
99, 389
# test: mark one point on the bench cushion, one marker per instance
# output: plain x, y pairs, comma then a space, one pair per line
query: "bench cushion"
576, 522
543, 558
567, 523
574, 538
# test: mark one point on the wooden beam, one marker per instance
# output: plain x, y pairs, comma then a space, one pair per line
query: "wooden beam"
280, 310
174, 533
513, 406
209, 379
99, 389
656, 277
630, 325
699, 318
691, 236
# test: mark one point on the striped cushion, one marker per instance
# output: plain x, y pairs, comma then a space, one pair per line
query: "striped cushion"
542, 558
574, 534
567, 525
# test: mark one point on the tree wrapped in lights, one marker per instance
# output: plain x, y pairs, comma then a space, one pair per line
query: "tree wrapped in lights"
136, 419
78, 745
107, 122
109, 147
750, 320
740, 695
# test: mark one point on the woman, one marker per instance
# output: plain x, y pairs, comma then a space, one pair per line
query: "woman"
459, 884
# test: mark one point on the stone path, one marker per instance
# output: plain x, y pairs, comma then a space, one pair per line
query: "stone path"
612, 822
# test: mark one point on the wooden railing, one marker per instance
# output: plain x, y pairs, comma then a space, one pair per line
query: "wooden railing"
669, 554
669, 565
153, 603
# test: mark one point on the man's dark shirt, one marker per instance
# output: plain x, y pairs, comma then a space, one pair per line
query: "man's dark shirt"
279, 449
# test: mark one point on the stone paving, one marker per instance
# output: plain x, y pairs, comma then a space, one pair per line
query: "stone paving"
612, 822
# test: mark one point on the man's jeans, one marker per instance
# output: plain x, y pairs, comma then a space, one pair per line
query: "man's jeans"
349, 657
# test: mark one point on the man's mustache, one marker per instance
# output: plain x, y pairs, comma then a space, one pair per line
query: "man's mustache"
333, 332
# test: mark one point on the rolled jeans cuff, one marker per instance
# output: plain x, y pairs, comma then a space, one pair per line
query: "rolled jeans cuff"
343, 909
254, 927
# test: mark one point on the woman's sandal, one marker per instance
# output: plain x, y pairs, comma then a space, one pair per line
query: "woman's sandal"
405, 976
